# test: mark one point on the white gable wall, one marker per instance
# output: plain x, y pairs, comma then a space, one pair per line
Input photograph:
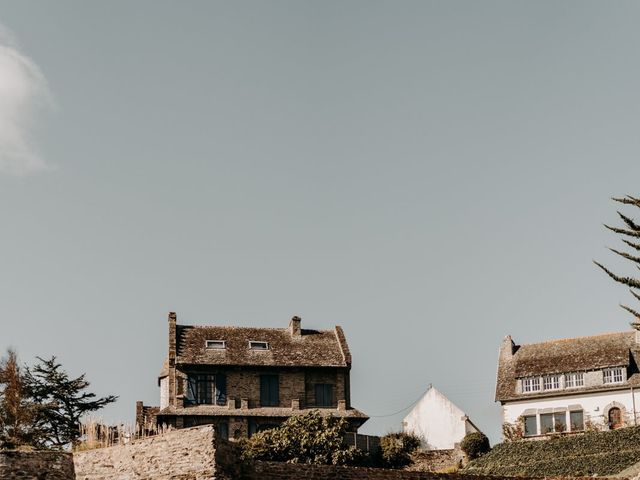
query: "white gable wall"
437, 421
594, 405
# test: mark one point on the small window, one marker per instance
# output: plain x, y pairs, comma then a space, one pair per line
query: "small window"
531, 384
575, 379
552, 382
560, 422
258, 345
324, 395
613, 375
546, 423
269, 390
216, 344
530, 426
576, 420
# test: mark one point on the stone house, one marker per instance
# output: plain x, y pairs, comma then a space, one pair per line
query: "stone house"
569, 385
437, 421
244, 379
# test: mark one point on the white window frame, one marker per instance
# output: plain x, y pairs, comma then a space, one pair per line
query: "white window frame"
528, 384
574, 380
552, 382
257, 345
215, 344
612, 376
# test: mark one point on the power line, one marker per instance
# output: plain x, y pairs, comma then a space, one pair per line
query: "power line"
401, 410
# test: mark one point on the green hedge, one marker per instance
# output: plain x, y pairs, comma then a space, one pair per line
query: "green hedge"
596, 453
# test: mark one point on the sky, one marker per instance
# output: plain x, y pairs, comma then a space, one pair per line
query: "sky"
431, 176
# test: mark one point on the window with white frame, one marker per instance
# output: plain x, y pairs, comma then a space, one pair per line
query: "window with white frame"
531, 384
216, 344
552, 382
613, 375
574, 379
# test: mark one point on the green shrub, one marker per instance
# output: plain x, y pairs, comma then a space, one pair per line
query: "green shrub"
593, 453
475, 444
396, 449
310, 438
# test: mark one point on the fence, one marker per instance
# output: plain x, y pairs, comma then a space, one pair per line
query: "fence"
366, 443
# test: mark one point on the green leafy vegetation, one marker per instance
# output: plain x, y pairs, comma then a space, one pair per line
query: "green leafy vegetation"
593, 453
41, 406
311, 438
396, 449
475, 444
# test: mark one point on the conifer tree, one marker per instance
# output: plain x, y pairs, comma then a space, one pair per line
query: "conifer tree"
630, 234
62, 402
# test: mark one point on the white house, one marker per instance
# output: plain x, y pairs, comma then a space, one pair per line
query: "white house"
569, 385
437, 421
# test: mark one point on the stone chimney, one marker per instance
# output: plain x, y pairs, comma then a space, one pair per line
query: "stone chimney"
507, 347
173, 318
636, 326
294, 327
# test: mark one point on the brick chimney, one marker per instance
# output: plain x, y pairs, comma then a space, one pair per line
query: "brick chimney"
294, 327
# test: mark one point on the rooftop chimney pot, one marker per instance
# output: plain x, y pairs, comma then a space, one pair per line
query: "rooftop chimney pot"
294, 326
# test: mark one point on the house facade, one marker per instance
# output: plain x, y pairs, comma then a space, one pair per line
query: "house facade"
569, 385
437, 421
244, 380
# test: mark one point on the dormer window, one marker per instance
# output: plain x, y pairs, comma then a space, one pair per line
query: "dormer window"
253, 345
613, 375
551, 382
215, 344
531, 384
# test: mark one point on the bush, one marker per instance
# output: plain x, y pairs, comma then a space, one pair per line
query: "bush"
310, 438
602, 453
396, 449
475, 444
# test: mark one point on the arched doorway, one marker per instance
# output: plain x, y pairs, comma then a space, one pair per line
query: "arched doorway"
615, 418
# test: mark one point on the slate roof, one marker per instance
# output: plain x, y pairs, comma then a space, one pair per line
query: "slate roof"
314, 348
567, 355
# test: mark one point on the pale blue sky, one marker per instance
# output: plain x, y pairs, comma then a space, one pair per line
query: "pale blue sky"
430, 175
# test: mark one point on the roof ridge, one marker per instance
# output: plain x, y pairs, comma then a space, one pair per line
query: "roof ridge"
585, 337
249, 328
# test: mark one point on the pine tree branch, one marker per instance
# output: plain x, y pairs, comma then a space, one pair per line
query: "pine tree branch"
632, 245
629, 221
630, 282
626, 255
637, 295
631, 311
628, 200
622, 231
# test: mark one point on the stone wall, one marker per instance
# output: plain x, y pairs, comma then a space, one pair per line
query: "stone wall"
187, 454
16, 465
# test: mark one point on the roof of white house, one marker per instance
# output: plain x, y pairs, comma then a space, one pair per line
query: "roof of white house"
567, 355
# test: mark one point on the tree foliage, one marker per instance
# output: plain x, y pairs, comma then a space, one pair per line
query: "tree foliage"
629, 232
396, 449
16, 407
311, 438
475, 444
41, 406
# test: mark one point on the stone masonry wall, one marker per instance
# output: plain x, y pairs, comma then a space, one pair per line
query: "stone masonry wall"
15, 465
187, 454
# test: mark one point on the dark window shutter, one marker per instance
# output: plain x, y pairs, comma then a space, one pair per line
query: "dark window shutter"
324, 395
269, 390
221, 389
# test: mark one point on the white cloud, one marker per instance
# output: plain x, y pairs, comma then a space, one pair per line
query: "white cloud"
23, 92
